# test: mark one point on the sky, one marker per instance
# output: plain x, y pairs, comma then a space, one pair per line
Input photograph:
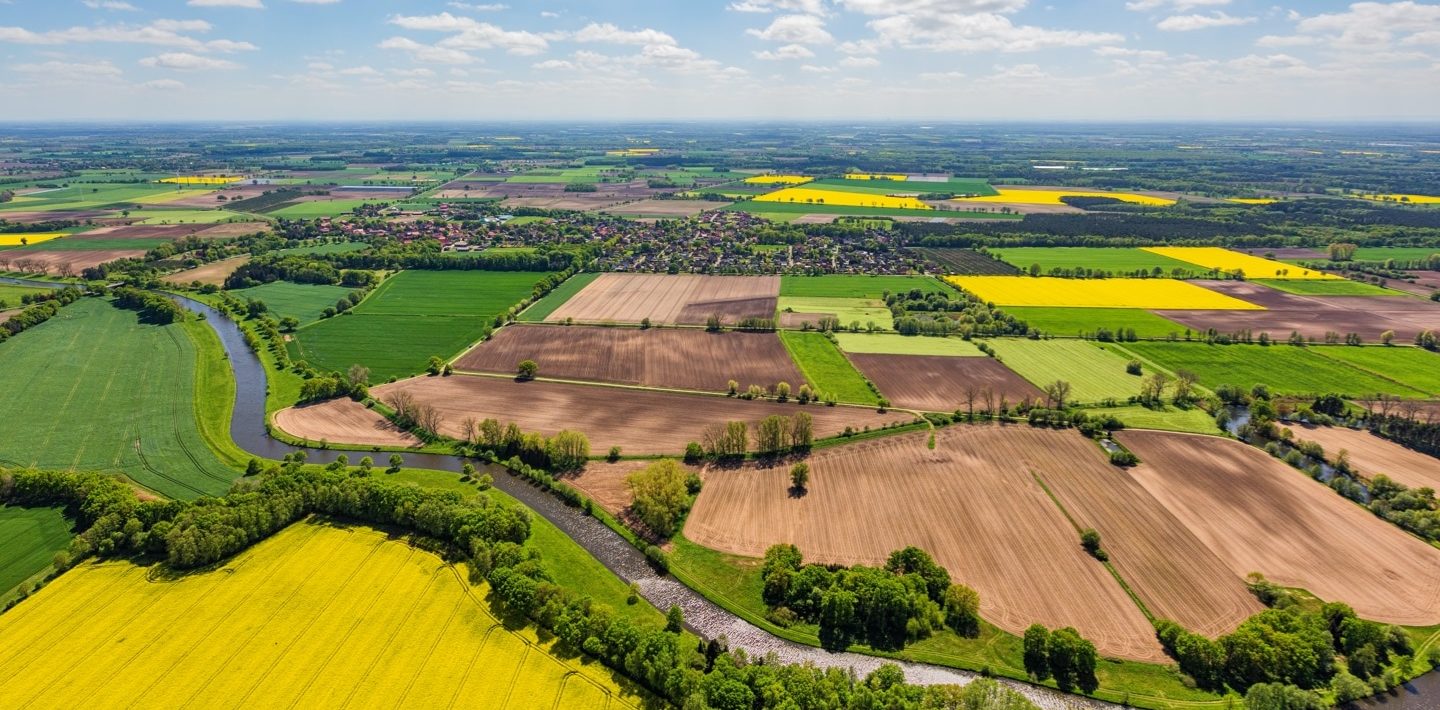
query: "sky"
584, 60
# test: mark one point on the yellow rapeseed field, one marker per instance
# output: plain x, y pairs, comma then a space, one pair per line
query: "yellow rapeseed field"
1046, 291
633, 152
875, 176
1052, 197
1229, 261
806, 195
1412, 199
316, 616
1253, 200
15, 240
202, 179
778, 179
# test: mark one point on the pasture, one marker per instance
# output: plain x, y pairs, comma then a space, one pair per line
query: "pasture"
1285, 369
1229, 261
122, 400
316, 616
685, 299
1105, 259
942, 383
826, 368
32, 537
11, 294
1095, 372
798, 310
1396, 253
1086, 322
1097, 293
1414, 367
1326, 287
657, 357
303, 302
855, 285
320, 208
894, 344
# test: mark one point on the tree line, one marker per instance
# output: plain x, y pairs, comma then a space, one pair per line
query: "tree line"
45, 306
153, 307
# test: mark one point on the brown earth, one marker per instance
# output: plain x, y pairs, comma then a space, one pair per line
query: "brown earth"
936, 383
1371, 455
666, 208
342, 421
1312, 316
1259, 515
77, 258
1286, 253
232, 229
657, 357
214, 272
578, 201
686, 299
605, 482
971, 502
638, 421
141, 231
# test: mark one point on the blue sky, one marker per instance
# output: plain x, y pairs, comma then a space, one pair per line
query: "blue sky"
719, 59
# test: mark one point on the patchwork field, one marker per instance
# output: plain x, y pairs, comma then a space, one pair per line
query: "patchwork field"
893, 344
303, 302
1014, 194
826, 368
669, 209
890, 185
1283, 368
1097, 293
670, 299
1230, 261
122, 400
795, 311
1086, 322
1311, 316
640, 422
541, 309
1095, 372
855, 285
56, 260
316, 616
971, 502
1230, 495
942, 383
658, 357
1326, 287
1371, 455
32, 537
1105, 259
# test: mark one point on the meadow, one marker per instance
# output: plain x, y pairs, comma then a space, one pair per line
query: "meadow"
303, 302
1413, 367
1109, 259
1095, 372
317, 209
855, 285
895, 344
331, 248
1284, 369
826, 368
1327, 287
318, 615
795, 310
11, 294
1232, 261
1086, 322
1157, 294
1397, 253
122, 400
32, 537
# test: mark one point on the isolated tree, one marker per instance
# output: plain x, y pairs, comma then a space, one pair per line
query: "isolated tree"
1090, 540
396, 462
674, 619
527, 369
962, 610
800, 476
357, 376
1056, 393
1185, 381
660, 496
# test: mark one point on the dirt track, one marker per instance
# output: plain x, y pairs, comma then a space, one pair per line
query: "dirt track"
1257, 514
638, 421
686, 299
342, 421
938, 384
683, 359
1372, 455
971, 502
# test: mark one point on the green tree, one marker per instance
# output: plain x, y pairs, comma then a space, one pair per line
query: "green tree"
396, 461
800, 476
660, 496
1037, 651
962, 610
568, 450
527, 369
674, 619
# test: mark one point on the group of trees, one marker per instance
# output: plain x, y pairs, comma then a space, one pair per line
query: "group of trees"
563, 452
662, 494
919, 312
153, 307
1062, 654
353, 384
774, 435
44, 307
908, 599
296, 268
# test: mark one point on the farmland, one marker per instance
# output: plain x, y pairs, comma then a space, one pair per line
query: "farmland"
213, 273
1097, 293
670, 358
1230, 495
878, 185
132, 385
11, 294
944, 383
32, 537
826, 368
317, 615
1103, 259
1283, 368
15, 240
1372, 456
342, 421
412, 316
795, 311
666, 299
303, 302
1233, 261
1410, 366
1086, 322
892, 344
1095, 372
780, 210
855, 286
1051, 196
320, 208
966, 262
541, 309
824, 196
639, 421
1326, 287
1311, 316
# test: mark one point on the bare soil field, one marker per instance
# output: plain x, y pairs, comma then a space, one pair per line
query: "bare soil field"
78, 259
1312, 316
939, 384
666, 208
605, 482
232, 229
342, 421
638, 421
814, 219
1286, 253
971, 502
214, 272
685, 299
1372, 455
1259, 515
578, 201
657, 357
141, 231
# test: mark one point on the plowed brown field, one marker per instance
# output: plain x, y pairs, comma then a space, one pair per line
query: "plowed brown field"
1312, 316
1372, 455
683, 359
638, 421
972, 502
214, 272
1259, 515
686, 299
939, 383
51, 260
342, 421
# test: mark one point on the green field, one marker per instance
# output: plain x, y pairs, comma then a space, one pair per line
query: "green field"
825, 368
849, 310
855, 285
1095, 372
1084, 322
32, 537
895, 344
959, 186
1398, 253
303, 302
78, 243
542, 308
189, 216
332, 248
86, 196
1414, 367
1170, 418
11, 294
93, 388
1327, 287
1285, 369
409, 318
1116, 260
314, 210
765, 209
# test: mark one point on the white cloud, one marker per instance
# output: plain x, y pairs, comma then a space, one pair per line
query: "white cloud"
182, 25
485, 7
1190, 23
812, 69
859, 62
984, 32
247, 4
809, 7
554, 64
1172, 5
801, 29
468, 34
70, 71
1368, 31
163, 32
416, 72
163, 85
1144, 54
942, 76
549, 15
608, 33
228, 46
932, 7
425, 52
109, 5
789, 51
184, 61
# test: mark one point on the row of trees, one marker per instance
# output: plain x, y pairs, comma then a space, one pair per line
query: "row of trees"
774, 435
1062, 654
563, 452
38, 313
296, 268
